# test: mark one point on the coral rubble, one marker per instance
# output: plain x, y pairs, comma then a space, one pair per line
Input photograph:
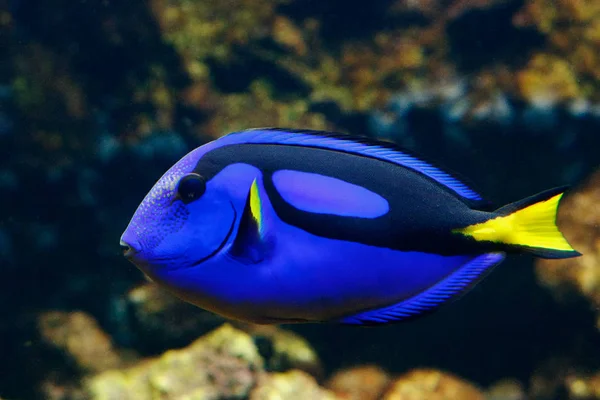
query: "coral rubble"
223, 364
283, 349
506, 389
434, 385
573, 50
158, 320
292, 385
77, 335
366, 382
583, 387
226, 363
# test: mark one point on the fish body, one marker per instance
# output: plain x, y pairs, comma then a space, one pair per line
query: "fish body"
272, 226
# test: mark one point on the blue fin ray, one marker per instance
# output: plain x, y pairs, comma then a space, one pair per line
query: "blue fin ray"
441, 293
357, 145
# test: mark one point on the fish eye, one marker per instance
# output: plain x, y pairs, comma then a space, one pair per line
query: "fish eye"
191, 187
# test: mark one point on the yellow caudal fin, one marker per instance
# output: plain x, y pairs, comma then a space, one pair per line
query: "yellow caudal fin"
528, 225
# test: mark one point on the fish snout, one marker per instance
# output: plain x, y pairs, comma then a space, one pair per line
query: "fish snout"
129, 250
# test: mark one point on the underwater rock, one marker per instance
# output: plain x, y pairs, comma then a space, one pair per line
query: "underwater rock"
431, 385
506, 389
219, 43
548, 380
366, 382
202, 67
583, 387
232, 112
579, 218
54, 389
283, 349
80, 338
437, 9
291, 385
225, 364
158, 320
573, 32
211, 29
548, 80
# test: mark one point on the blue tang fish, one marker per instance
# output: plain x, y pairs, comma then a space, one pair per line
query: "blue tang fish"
282, 226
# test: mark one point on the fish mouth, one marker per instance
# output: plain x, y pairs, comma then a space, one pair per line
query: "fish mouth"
223, 243
128, 250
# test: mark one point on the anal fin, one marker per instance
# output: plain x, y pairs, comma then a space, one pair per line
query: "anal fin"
459, 282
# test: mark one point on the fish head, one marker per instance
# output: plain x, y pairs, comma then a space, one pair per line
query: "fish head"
182, 222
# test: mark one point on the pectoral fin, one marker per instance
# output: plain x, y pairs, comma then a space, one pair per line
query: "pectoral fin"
251, 244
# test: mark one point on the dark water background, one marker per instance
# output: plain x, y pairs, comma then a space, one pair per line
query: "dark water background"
70, 179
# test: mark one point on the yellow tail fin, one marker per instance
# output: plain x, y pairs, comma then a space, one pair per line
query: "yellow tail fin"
529, 225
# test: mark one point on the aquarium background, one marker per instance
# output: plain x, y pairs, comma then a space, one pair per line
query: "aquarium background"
99, 97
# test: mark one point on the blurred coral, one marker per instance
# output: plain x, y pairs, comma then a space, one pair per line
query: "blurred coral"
80, 338
232, 113
573, 29
283, 349
548, 80
548, 381
209, 36
291, 385
583, 387
222, 364
506, 389
432, 385
579, 218
447, 10
211, 29
159, 320
367, 382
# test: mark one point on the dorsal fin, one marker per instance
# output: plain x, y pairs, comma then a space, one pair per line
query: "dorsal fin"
355, 145
428, 301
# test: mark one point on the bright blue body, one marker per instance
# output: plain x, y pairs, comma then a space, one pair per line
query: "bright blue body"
215, 253
309, 278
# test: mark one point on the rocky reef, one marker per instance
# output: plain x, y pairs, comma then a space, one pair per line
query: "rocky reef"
227, 363
98, 98
234, 363
223, 364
